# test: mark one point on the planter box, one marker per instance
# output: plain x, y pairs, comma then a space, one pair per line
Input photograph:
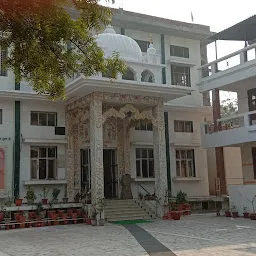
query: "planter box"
227, 213
246, 215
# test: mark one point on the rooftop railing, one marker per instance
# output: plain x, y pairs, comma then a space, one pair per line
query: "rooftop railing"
231, 60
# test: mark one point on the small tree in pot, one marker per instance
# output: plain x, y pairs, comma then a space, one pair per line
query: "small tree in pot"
44, 195
30, 195
246, 213
55, 194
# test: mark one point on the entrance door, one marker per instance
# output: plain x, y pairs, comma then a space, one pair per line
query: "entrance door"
110, 174
85, 170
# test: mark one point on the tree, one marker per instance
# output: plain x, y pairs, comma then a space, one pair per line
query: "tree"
228, 107
47, 45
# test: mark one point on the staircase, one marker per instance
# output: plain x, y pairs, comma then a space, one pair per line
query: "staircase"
118, 210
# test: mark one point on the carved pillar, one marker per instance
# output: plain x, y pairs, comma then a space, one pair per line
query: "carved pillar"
159, 152
96, 145
126, 145
70, 158
120, 146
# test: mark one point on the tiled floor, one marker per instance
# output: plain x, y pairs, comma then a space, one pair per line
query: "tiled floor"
193, 235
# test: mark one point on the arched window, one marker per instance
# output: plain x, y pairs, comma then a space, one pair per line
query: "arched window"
147, 76
2, 168
129, 75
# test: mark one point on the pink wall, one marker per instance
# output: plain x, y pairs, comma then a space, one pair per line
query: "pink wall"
2, 168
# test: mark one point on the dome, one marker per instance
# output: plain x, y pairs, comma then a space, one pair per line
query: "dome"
111, 42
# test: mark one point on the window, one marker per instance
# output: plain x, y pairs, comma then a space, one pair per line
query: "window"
183, 126
179, 51
43, 119
180, 76
143, 45
185, 163
129, 75
145, 163
43, 163
3, 70
1, 116
147, 76
144, 126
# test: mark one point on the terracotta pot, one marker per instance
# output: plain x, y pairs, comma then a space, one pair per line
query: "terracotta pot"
17, 216
44, 201
175, 215
253, 216
18, 202
50, 213
187, 206
227, 213
165, 217
235, 214
1, 216
246, 215
70, 211
31, 215
180, 207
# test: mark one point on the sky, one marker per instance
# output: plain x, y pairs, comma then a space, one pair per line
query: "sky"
218, 14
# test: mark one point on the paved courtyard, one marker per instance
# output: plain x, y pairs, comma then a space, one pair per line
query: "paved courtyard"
194, 235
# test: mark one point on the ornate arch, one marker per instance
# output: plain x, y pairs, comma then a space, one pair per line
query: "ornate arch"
112, 113
130, 74
147, 76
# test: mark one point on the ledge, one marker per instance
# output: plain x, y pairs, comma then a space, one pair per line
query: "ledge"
34, 207
184, 62
145, 179
44, 141
177, 179
45, 182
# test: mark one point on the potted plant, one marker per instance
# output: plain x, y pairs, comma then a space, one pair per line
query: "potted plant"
101, 206
55, 194
9, 200
65, 198
1, 213
246, 213
234, 212
174, 214
30, 195
7, 217
18, 201
218, 212
44, 195
94, 216
228, 213
181, 199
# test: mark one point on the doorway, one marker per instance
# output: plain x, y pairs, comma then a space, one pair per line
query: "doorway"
110, 174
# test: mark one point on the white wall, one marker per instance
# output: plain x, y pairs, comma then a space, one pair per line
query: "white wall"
41, 132
189, 141
6, 142
241, 195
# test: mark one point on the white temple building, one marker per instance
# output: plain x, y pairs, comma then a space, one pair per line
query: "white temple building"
146, 123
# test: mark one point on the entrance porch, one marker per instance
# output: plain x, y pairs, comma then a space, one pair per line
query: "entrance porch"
100, 125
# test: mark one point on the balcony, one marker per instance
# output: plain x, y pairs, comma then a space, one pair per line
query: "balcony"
231, 72
229, 131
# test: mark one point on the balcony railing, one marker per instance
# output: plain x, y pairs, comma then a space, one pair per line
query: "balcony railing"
232, 122
234, 59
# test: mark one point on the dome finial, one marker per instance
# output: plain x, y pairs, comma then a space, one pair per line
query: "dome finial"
109, 30
151, 49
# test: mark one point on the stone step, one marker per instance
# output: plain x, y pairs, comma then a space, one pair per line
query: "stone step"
128, 218
130, 211
116, 207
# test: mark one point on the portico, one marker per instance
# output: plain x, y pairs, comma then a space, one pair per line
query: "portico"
103, 120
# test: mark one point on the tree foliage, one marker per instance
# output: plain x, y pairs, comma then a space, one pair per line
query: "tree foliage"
39, 34
228, 107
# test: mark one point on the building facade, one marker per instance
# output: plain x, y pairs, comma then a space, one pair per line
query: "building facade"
145, 124
233, 73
